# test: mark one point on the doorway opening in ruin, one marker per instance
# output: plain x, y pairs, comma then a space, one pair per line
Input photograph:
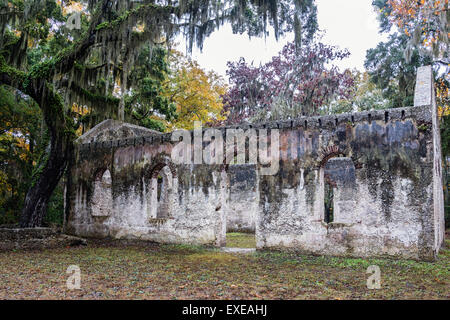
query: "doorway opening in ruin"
240, 230
242, 207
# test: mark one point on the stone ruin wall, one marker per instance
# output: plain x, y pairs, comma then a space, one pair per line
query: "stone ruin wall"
383, 166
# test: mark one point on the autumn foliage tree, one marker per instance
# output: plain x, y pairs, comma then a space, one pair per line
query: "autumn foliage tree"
290, 85
425, 22
422, 40
426, 25
197, 94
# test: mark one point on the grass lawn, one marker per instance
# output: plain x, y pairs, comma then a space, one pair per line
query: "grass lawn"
241, 240
150, 271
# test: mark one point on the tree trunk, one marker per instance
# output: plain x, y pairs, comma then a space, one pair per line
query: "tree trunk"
38, 195
60, 126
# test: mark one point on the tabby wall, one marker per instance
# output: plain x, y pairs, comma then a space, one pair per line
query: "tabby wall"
381, 167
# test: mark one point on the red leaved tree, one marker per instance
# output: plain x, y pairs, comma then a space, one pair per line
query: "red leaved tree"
294, 83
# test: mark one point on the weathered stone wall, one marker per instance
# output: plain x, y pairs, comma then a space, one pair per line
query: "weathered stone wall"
122, 204
383, 168
383, 188
196, 198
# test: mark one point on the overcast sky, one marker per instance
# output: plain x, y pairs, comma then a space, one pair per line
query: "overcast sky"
350, 24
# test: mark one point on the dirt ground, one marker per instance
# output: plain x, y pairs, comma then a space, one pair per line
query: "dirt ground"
115, 270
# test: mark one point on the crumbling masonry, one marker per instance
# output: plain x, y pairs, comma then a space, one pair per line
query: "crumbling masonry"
364, 184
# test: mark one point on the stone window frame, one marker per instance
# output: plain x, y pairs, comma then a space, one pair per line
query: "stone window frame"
170, 175
333, 186
99, 182
322, 181
325, 154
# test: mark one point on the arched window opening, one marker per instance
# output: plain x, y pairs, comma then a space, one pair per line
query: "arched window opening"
102, 195
328, 201
159, 187
106, 178
160, 194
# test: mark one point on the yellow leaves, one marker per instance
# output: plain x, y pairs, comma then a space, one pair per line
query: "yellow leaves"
408, 15
5, 186
427, 43
196, 93
21, 143
73, 6
31, 42
139, 27
443, 111
442, 99
80, 110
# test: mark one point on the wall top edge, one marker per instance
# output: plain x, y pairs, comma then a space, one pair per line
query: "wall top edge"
421, 114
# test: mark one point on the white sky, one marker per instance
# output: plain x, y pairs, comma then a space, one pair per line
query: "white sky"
350, 24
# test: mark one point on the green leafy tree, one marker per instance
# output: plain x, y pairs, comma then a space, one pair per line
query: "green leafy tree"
20, 148
146, 103
365, 96
390, 71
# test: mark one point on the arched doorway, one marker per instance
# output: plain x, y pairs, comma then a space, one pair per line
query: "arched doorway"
161, 191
